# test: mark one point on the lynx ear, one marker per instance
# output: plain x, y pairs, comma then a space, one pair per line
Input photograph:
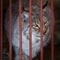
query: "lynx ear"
47, 11
46, 7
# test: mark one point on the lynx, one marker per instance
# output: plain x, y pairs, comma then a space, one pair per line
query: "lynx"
36, 36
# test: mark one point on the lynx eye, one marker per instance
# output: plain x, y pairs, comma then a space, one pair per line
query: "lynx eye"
25, 16
44, 19
36, 25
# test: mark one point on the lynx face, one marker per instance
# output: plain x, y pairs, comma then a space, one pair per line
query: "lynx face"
35, 26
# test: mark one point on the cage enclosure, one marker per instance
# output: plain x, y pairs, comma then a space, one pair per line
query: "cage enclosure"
47, 49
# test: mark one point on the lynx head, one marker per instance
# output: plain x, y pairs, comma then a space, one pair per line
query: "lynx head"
36, 21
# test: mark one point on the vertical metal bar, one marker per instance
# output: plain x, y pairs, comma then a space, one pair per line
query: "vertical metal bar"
20, 27
1, 29
52, 30
41, 30
10, 29
30, 31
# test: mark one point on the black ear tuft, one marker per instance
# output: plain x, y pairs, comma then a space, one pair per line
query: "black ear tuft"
45, 5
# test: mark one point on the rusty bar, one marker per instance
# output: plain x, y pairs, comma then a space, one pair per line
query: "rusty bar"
20, 27
52, 30
41, 30
1, 29
10, 29
30, 30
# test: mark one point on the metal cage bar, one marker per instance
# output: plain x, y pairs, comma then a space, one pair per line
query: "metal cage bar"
30, 30
52, 29
41, 30
10, 29
20, 27
1, 27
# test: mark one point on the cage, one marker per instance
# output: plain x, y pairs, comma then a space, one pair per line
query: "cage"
49, 52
